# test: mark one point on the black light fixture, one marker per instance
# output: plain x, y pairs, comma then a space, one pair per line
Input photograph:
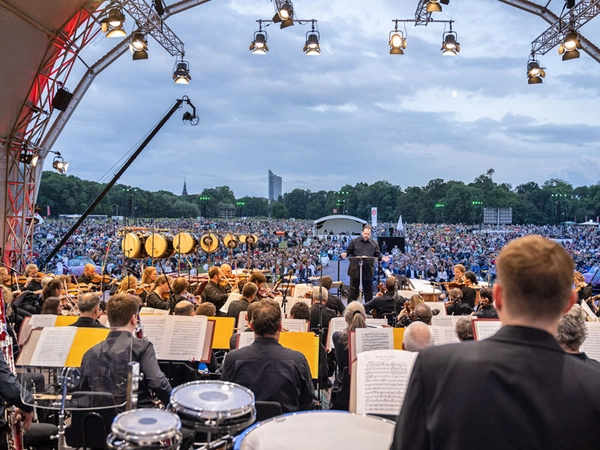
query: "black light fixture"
112, 23
397, 41
139, 46
450, 45
59, 164
569, 47
311, 46
181, 74
28, 156
284, 13
535, 73
259, 45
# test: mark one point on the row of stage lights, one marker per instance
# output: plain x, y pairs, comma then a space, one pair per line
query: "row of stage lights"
112, 25
568, 48
284, 15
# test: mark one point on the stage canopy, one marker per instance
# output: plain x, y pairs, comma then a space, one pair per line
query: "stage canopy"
339, 224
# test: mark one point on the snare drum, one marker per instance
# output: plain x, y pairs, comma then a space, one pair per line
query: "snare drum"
214, 406
160, 246
318, 430
133, 245
185, 243
152, 429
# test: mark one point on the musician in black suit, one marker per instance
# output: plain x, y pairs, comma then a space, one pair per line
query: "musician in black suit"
363, 246
529, 393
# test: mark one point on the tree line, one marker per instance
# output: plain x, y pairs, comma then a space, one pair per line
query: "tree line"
439, 201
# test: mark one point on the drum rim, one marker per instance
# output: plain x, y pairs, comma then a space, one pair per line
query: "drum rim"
239, 439
143, 438
177, 407
140, 252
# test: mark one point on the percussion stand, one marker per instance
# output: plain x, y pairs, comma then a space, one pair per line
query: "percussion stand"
320, 332
360, 285
285, 291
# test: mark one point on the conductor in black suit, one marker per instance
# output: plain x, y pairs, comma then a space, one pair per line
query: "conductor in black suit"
528, 393
362, 246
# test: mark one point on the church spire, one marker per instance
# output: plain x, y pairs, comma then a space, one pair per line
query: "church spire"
184, 188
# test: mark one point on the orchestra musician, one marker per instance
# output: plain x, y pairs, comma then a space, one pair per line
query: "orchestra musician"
34, 279
260, 281
228, 279
149, 276
584, 291
89, 311
88, 275
179, 289
213, 292
128, 285
159, 297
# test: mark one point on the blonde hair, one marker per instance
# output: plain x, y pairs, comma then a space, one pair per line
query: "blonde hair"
355, 318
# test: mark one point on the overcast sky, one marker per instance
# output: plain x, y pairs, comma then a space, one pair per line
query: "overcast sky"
353, 114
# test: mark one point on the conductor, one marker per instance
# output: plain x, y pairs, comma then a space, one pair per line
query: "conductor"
366, 247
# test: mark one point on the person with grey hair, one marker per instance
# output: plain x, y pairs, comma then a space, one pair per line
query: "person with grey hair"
89, 310
417, 337
320, 315
184, 308
423, 313
464, 329
572, 333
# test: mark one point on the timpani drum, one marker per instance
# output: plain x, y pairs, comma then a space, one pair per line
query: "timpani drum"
160, 245
152, 429
318, 430
185, 243
133, 245
214, 406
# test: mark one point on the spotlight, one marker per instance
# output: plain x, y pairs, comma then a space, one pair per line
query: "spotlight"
433, 6
181, 74
284, 14
259, 44
139, 46
535, 73
397, 42
59, 164
569, 47
311, 46
28, 157
112, 24
450, 46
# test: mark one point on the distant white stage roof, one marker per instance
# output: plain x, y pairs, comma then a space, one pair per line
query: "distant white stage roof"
339, 224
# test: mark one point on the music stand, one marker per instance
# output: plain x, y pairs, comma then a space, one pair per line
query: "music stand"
360, 260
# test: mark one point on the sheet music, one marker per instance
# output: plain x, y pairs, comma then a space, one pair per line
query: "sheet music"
245, 339
242, 322
301, 289
589, 311
53, 347
186, 342
368, 339
447, 321
444, 334
441, 306
591, 346
232, 296
484, 328
382, 379
294, 325
176, 338
376, 322
335, 324
42, 320
147, 311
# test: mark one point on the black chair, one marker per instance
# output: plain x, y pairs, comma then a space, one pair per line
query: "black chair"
265, 410
178, 373
89, 428
340, 398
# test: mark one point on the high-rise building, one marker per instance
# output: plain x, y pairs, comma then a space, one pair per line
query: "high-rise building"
274, 186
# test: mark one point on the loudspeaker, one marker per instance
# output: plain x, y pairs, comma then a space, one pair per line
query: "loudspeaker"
61, 99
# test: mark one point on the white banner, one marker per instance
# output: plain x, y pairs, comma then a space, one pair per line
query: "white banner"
400, 227
374, 216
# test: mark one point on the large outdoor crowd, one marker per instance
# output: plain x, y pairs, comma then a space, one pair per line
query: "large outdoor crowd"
430, 251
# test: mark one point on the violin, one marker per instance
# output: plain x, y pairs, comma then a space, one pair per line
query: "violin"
103, 279
381, 288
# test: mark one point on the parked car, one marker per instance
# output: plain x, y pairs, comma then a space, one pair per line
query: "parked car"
75, 266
